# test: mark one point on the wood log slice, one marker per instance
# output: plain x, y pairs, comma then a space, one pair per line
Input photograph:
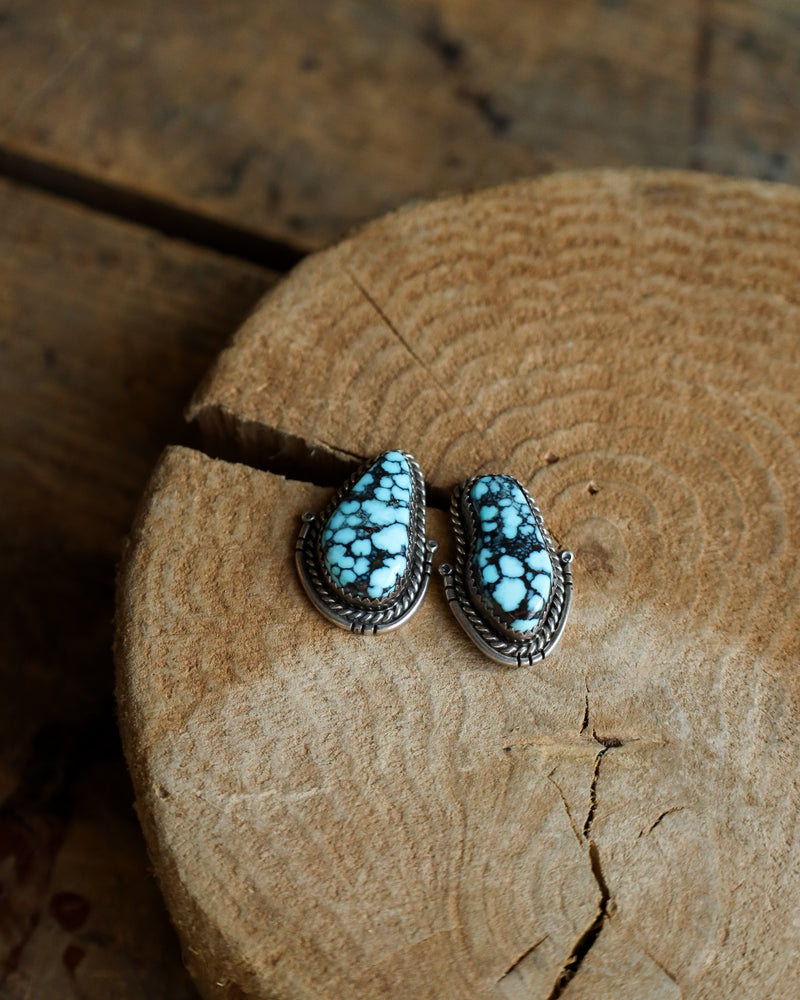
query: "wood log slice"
396, 816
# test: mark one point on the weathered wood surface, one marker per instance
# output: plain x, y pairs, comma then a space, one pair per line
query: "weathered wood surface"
335, 816
105, 330
301, 119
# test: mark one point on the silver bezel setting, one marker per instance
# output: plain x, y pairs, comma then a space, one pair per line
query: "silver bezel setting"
363, 615
489, 634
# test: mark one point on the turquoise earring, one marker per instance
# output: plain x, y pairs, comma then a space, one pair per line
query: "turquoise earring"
364, 561
509, 589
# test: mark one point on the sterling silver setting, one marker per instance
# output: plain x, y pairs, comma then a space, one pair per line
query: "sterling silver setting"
359, 614
497, 643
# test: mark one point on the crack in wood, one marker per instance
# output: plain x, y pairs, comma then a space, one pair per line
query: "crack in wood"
147, 210
661, 816
587, 826
587, 939
517, 962
607, 743
585, 722
221, 435
589, 936
389, 324
575, 829
441, 496
663, 968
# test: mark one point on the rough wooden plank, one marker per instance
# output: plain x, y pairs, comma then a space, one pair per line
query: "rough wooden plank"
396, 816
104, 330
104, 337
300, 120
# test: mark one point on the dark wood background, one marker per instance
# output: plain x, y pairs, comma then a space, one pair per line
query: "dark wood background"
160, 166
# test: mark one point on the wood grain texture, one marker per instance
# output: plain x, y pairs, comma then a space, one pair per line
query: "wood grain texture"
300, 120
338, 816
105, 328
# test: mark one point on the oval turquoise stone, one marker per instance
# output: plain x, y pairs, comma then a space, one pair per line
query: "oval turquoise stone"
511, 569
364, 545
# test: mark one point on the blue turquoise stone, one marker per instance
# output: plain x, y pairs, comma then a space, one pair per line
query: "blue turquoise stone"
512, 572
364, 545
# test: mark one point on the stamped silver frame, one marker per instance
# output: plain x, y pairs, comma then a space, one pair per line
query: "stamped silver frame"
363, 615
488, 637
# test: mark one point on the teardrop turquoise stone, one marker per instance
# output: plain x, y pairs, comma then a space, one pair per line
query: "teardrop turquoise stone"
364, 545
512, 572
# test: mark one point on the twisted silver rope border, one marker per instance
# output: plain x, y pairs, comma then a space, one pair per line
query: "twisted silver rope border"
367, 615
496, 645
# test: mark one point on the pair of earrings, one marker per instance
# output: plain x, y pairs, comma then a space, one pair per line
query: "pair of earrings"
365, 561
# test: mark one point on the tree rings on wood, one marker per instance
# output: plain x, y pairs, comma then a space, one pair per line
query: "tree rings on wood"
342, 816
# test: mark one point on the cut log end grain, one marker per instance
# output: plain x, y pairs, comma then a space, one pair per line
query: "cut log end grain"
332, 815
